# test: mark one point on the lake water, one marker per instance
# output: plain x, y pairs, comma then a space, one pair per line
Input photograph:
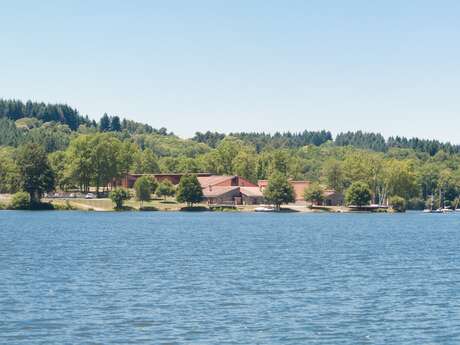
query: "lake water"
228, 278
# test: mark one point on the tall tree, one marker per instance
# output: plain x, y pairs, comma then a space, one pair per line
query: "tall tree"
333, 175
37, 177
279, 191
104, 157
104, 123
189, 190
79, 161
115, 125
358, 194
9, 172
143, 188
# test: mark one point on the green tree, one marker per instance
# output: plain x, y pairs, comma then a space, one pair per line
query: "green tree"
279, 191
333, 175
104, 123
36, 174
314, 194
118, 196
115, 124
279, 162
226, 152
149, 162
80, 167
58, 162
104, 154
143, 188
400, 179
189, 190
9, 172
358, 194
165, 188
245, 165
127, 156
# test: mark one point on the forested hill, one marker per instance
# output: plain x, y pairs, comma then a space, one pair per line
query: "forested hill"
30, 121
15, 110
84, 152
359, 139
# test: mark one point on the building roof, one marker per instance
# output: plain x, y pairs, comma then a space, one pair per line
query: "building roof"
170, 174
212, 180
217, 191
331, 192
262, 183
251, 192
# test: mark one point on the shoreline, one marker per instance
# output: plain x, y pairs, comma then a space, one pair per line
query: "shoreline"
105, 205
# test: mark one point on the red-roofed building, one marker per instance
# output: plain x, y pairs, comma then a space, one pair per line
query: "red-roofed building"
217, 189
233, 190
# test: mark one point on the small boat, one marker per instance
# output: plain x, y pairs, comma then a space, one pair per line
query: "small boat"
439, 210
264, 209
446, 210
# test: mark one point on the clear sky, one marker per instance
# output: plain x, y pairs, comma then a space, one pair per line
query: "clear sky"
242, 65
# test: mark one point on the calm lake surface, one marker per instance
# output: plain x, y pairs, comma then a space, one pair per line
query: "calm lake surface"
227, 278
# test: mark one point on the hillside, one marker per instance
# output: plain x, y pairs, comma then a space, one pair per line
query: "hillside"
83, 153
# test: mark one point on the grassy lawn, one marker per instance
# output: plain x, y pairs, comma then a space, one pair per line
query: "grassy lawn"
107, 205
159, 204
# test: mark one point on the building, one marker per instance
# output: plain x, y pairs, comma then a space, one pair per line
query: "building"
217, 189
224, 181
230, 190
333, 198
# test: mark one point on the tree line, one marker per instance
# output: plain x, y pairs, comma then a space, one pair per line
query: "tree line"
98, 153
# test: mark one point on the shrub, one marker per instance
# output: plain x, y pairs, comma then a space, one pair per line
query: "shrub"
314, 193
20, 201
165, 188
118, 196
398, 204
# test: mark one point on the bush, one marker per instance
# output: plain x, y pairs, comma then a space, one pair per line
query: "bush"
194, 209
20, 201
118, 196
148, 208
64, 207
398, 204
224, 208
314, 193
165, 188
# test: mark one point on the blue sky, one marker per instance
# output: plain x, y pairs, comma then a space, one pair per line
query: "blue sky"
386, 66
